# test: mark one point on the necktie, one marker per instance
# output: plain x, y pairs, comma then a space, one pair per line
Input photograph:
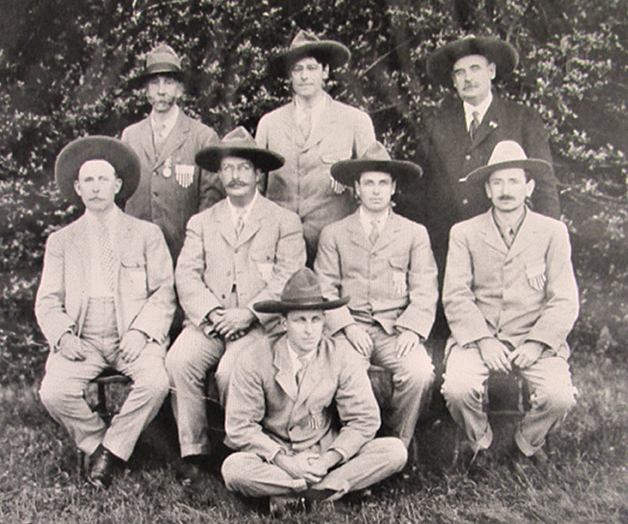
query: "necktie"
301, 371
107, 261
475, 123
510, 237
374, 232
306, 122
239, 223
160, 135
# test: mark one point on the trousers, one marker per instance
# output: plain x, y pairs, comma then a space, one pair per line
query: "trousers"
62, 388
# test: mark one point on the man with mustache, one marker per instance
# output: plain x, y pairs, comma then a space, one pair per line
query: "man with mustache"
239, 251
313, 132
511, 299
172, 187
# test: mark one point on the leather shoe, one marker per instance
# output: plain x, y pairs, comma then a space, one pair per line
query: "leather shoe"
102, 462
189, 469
280, 505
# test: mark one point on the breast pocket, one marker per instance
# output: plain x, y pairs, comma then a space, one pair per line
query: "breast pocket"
133, 276
265, 263
399, 271
328, 160
536, 274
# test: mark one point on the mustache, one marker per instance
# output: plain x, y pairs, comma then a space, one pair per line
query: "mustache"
506, 197
236, 183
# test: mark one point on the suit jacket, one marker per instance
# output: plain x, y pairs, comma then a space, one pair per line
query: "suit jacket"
213, 263
172, 187
266, 411
143, 281
527, 292
395, 279
304, 183
447, 154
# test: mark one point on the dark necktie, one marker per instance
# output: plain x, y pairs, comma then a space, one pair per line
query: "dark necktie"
301, 372
374, 235
475, 123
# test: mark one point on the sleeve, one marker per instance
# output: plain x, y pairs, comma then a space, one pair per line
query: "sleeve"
465, 319
194, 296
50, 300
561, 307
211, 189
422, 285
364, 133
328, 269
156, 315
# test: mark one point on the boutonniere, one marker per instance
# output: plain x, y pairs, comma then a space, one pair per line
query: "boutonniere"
492, 124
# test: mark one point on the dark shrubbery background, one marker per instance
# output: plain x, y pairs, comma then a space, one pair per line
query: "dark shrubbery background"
64, 66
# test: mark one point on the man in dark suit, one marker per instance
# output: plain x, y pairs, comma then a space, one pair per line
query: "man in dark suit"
461, 135
172, 187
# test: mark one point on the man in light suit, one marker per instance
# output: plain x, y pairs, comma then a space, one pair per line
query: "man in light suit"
511, 299
313, 132
106, 299
240, 251
384, 262
461, 134
172, 187
280, 412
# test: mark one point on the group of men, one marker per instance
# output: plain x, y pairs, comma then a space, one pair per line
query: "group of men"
290, 344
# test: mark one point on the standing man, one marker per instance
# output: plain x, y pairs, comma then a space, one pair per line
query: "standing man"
302, 414
240, 251
172, 188
384, 262
461, 135
511, 299
106, 299
313, 132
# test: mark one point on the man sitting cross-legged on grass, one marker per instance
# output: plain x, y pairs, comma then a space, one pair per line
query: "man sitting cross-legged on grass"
279, 413
511, 299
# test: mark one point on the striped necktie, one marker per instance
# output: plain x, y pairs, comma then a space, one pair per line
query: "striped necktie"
107, 259
475, 123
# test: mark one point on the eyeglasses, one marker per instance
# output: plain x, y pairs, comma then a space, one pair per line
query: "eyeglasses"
244, 167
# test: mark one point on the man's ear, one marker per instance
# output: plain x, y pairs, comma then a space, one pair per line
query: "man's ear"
530, 185
326, 72
492, 69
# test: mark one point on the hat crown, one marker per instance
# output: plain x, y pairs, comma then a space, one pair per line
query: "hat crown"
163, 54
302, 288
303, 38
376, 151
507, 151
238, 137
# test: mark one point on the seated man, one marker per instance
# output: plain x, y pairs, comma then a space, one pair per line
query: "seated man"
106, 299
280, 410
240, 251
385, 263
511, 299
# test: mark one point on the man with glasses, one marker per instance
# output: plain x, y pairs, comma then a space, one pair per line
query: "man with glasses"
238, 252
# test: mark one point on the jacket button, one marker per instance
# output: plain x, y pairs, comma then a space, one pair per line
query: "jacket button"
465, 201
467, 157
155, 173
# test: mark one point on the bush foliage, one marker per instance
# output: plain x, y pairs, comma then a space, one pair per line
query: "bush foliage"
65, 67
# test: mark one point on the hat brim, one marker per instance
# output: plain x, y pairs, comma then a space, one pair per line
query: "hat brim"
76, 153
263, 159
535, 168
277, 306
349, 171
139, 81
330, 52
440, 63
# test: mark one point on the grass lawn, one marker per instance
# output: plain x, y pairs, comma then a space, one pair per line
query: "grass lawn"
587, 481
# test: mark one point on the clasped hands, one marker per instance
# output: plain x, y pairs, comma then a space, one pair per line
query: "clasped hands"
308, 465
229, 323
497, 357
406, 341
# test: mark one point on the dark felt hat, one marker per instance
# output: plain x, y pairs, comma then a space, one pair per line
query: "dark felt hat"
162, 60
441, 62
123, 159
302, 292
509, 154
238, 143
306, 44
375, 158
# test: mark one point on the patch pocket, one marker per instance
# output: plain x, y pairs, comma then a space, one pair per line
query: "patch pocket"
134, 272
265, 264
535, 273
399, 267
330, 159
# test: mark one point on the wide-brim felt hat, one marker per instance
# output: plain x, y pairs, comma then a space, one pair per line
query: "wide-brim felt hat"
441, 62
239, 143
302, 292
123, 159
509, 154
375, 158
162, 60
306, 44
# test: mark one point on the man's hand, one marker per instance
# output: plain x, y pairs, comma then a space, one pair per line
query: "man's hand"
298, 466
527, 354
71, 347
359, 339
323, 463
407, 341
229, 322
495, 354
131, 345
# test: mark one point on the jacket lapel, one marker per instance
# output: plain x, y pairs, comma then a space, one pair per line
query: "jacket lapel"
324, 126
224, 223
175, 139
490, 233
489, 124
314, 373
526, 237
253, 222
356, 232
282, 363
146, 142
289, 125
389, 232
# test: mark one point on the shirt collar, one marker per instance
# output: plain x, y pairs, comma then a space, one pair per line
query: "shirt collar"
504, 228
481, 109
367, 220
294, 357
243, 212
168, 123
110, 217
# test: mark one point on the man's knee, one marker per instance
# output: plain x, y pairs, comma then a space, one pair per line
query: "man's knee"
54, 394
462, 389
559, 400
234, 473
417, 370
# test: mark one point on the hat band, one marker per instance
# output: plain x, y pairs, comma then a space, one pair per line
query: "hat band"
162, 67
303, 301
